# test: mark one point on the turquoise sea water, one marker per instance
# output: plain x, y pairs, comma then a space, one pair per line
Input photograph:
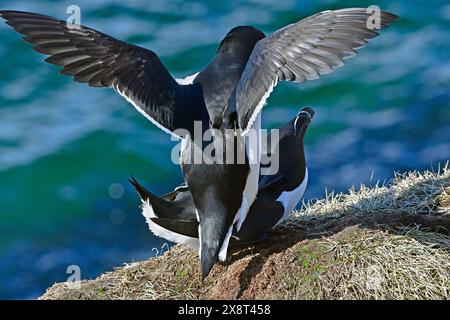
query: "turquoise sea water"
66, 150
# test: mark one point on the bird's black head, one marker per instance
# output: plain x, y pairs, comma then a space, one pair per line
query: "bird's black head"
241, 40
301, 122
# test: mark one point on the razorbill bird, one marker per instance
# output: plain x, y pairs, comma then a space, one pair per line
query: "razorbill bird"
173, 215
228, 94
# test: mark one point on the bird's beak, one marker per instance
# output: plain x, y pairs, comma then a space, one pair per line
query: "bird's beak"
302, 120
214, 235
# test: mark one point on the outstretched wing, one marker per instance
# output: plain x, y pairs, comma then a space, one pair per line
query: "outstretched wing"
302, 51
101, 61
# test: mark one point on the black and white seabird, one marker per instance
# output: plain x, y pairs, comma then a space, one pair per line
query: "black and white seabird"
228, 94
173, 216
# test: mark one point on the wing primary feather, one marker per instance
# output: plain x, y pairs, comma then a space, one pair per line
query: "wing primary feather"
99, 60
302, 51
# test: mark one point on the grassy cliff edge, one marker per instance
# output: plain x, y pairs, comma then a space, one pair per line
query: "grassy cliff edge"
381, 242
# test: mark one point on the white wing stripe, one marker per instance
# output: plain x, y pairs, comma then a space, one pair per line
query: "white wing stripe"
224, 248
258, 108
157, 230
251, 184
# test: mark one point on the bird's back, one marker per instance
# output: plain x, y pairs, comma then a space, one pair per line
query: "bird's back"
220, 78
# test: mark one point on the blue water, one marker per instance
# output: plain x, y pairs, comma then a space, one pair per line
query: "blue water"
66, 150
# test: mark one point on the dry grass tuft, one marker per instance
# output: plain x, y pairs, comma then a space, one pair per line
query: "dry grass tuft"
411, 193
379, 265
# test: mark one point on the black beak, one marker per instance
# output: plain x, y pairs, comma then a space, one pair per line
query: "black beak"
308, 111
302, 120
207, 260
214, 236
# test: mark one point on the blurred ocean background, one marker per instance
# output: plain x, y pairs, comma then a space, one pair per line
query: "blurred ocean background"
66, 150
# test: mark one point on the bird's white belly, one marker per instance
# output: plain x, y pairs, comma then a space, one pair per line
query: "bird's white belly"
188, 80
290, 199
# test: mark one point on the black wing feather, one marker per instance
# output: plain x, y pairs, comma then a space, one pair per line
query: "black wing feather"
99, 60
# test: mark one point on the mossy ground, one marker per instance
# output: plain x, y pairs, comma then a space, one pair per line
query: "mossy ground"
381, 242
